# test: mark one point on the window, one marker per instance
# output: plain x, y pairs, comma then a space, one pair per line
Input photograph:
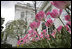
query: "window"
22, 14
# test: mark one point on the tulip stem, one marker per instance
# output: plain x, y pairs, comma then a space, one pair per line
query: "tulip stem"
47, 30
68, 8
63, 24
49, 44
61, 21
37, 33
67, 11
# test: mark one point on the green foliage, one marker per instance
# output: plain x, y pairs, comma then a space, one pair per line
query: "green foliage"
62, 40
1, 35
15, 28
6, 45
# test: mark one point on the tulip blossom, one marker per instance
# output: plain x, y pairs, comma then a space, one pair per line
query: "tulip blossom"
69, 23
34, 25
67, 28
40, 16
55, 13
37, 38
33, 39
53, 34
47, 36
69, 31
26, 36
61, 4
18, 42
49, 23
48, 13
59, 28
30, 31
67, 18
44, 31
32, 35
41, 35
35, 33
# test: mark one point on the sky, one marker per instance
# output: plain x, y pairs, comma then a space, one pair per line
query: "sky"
8, 10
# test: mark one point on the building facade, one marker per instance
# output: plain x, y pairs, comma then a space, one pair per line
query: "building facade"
25, 12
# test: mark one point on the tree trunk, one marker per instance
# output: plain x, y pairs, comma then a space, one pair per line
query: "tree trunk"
35, 8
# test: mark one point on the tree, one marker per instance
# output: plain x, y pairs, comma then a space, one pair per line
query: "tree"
2, 21
15, 29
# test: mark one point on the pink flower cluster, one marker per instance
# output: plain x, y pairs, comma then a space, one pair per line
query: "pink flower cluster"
68, 19
59, 28
55, 13
54, 32
33, 35
49, 23
40, 16
61, 4
69, 23
34, 24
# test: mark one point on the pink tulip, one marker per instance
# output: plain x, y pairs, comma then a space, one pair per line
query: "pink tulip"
49, 23
55, 13
30, 31
26, 40
34, 25
69, 23
35, 33
37, 38
47, 36
44, 31
29, 38
69, 31
40, 16
38, 23
61, 4
59, 28
53, 34
33, 39
41, 35
67, 18
31, 35
48, 13
26, 36
67, 28
18, 42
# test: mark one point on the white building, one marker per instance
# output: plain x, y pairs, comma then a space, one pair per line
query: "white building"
24, 11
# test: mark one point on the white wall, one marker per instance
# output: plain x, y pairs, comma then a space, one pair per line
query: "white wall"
12, 41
